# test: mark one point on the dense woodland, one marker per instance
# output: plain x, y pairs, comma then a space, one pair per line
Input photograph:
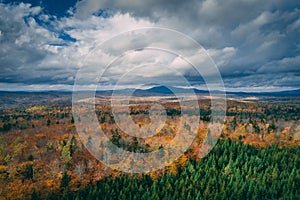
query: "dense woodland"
231, 171
257, 156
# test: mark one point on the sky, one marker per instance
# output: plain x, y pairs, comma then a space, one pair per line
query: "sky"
254, 44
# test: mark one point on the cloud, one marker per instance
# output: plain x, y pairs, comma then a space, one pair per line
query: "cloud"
32, 53
244, 38
134, 7
288, 65
23, 41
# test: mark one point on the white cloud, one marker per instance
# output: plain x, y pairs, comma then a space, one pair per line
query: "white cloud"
295, 25
222, 56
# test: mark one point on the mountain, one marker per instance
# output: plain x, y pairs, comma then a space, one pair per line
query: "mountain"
277, 93
23, 98
162, 90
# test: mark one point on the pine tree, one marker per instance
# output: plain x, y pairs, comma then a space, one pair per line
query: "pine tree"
65, 180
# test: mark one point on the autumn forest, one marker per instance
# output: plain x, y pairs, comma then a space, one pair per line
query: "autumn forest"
256, 156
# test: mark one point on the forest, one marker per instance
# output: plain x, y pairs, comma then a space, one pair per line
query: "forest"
232, 170
256, 156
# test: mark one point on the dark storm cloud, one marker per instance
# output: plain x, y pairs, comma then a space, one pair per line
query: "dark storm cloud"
265, 34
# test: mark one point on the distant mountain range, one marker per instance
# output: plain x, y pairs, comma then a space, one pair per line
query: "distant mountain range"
162, 90
157, 90
287, 92
22, 98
